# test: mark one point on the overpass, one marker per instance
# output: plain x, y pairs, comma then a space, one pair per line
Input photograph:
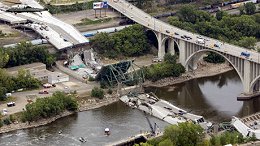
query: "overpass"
191, 50
58, 33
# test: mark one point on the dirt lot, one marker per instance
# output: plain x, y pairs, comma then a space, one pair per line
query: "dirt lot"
76, 17
16, 35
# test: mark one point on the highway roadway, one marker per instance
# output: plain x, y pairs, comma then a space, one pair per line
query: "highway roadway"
152, 23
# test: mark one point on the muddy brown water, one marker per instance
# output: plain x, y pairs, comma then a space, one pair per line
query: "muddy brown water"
213, 97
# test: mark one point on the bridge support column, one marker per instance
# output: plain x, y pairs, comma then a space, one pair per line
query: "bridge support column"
182, 51
247, 77
161, 46
171, 46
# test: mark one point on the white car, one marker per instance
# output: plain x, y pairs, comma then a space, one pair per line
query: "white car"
157, 60
4, 112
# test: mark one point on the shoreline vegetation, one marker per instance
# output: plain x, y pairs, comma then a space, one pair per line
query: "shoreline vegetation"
97, 103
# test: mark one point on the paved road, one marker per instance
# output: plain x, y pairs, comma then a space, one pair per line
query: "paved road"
148, 21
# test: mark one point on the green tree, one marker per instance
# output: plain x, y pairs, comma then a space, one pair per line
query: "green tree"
3, 91
166, 142
214, 58
51, 106
241, 10
130, 41
97, 92
4, 58
220, 15
170, 58
187, 13
247, 42
187, 134
250, 8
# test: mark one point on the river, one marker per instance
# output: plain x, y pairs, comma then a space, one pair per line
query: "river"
213, 97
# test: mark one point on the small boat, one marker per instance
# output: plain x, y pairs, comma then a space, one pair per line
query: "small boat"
162, 109
107, 131
81, 139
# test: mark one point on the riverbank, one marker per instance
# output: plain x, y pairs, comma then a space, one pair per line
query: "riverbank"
205, 69
83, 106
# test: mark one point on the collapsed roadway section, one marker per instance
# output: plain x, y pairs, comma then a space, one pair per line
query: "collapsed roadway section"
60, 34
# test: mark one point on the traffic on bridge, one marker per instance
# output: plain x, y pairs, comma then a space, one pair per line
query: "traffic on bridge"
154, 24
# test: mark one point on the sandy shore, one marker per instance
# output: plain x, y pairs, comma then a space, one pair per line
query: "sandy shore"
204, 70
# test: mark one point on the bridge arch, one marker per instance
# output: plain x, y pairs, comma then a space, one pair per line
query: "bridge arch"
254, 83
202, 52
152, 37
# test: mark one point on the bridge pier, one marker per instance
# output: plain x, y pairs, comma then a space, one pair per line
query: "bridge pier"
171, 49
161, 46
183, 52
247, 77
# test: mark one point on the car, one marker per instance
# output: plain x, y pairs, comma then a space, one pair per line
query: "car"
10, 104
216, 45
157, 59
4, 111
167, 31
176, 33
53, 85
182, 37
132, 16
189, 38
47, 85
8, 94
245, 54
199, 37
44, 92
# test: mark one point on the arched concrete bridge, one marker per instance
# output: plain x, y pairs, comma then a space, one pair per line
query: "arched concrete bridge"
190, 48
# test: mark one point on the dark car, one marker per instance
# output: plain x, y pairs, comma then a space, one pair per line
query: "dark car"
189, 38
182, 37
44, 92
167, 31
176, 33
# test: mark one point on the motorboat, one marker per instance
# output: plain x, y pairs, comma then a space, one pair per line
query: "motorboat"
151, 104
107, 131
81, 139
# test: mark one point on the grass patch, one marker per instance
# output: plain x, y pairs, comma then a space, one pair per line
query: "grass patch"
87, 21
8, 99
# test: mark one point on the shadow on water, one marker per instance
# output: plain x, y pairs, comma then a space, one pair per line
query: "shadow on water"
215, 97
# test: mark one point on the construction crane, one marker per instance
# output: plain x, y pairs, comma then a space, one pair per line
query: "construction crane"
153, 128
